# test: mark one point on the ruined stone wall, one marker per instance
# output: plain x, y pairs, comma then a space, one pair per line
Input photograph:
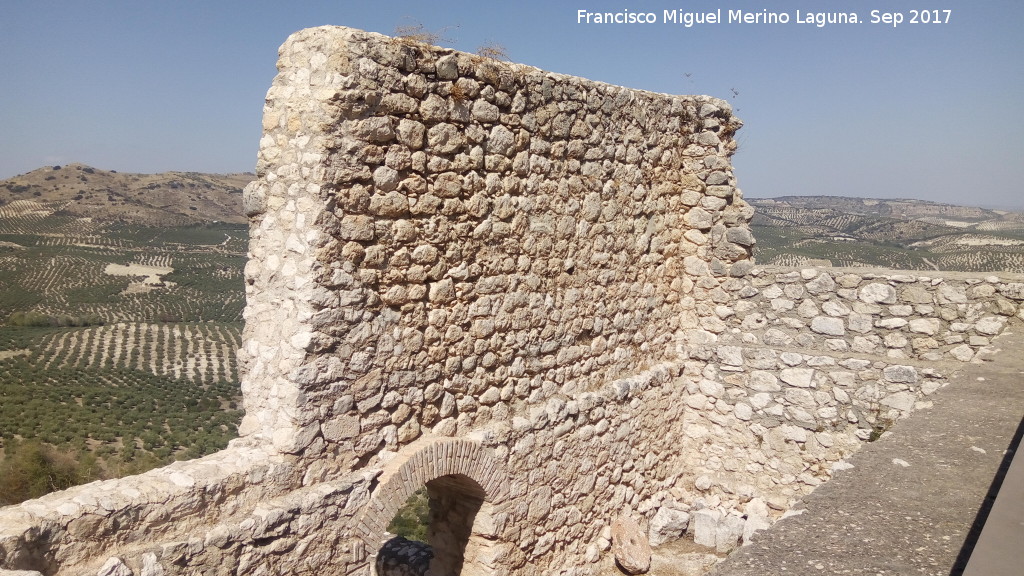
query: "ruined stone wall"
439, 235
446, 245
791, 370
532, 295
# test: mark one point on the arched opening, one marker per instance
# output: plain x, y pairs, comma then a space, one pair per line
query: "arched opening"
467, 489
454, 530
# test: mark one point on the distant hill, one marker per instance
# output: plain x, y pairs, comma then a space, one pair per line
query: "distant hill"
167, 199
906, 234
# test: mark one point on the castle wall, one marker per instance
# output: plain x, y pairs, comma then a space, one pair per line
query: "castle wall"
531, 294
438, 235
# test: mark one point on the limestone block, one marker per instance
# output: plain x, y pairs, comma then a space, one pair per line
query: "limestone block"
695, 266
895, 340
807, 309
730, 355
860, 323
775, 337
903, 401
355, 227
901, 310
948, 294
447, 67
794, 291
800, 377
699, 218
822, 284
900, 374
866, 345
764, 381
728, 533
791, 358
837, 345
990, 326
800, 397
411, 133
877, 293
704, 525
668, 524
782, 304
254, 198
114, 566
917, 295
892, 323
828, 325
929, 326
963, 353
743, 411
150, 565
757, 518
1012, 290
760, 400
741, 236
501, 141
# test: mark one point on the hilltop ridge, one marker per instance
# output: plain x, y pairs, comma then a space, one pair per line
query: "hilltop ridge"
164, 199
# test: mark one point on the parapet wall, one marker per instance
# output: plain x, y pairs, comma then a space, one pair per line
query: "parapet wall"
531, 294
789, 371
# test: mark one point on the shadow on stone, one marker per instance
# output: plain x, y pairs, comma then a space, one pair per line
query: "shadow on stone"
986, 506
402, 557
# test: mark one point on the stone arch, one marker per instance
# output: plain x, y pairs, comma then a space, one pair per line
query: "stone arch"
466, 485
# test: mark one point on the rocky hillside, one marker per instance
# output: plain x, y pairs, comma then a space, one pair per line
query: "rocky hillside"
906, 234
167, 199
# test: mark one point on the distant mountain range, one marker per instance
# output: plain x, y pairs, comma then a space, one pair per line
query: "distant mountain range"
166, 199
905, 234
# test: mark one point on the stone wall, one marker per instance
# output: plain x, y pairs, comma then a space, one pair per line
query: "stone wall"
448, 246
789, 371
440, 234
531, 294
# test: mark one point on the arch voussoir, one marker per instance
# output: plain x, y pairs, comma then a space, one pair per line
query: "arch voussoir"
419, 463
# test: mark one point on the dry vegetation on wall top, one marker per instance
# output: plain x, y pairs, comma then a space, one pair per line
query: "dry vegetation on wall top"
121, 303
902, 234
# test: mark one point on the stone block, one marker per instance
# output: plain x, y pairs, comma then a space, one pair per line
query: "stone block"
667, 524
828, 325
877, 293
800, 377
704, 525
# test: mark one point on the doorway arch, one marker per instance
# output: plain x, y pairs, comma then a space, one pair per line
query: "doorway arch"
466, 486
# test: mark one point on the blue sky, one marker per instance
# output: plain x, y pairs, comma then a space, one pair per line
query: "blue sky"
927, 111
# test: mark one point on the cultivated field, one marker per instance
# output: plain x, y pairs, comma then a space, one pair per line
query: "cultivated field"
904, 234
118, 338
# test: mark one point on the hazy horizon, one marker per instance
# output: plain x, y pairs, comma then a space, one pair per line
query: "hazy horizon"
926, 111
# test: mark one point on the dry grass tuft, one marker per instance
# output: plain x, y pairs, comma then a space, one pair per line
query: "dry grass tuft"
416, 33
493, 51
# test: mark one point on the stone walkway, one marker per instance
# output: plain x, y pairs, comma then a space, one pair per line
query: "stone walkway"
916, 500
